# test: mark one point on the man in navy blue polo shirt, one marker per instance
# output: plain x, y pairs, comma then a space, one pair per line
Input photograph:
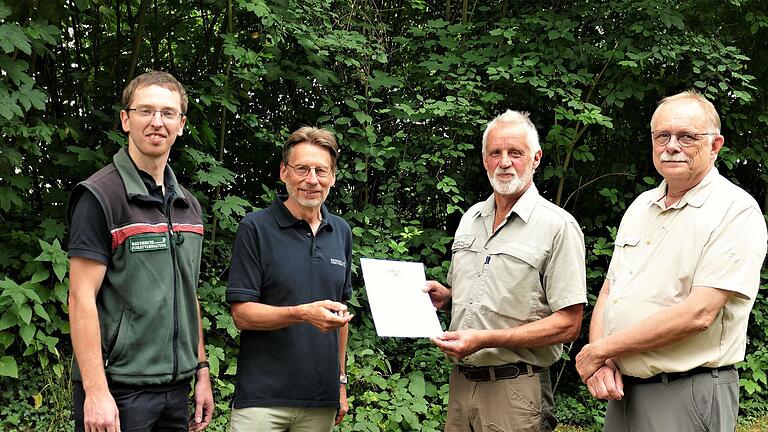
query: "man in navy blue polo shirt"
289, 279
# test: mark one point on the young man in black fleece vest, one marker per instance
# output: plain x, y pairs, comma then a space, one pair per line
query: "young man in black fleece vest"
135, 244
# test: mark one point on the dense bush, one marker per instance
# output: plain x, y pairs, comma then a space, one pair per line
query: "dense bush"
407, 87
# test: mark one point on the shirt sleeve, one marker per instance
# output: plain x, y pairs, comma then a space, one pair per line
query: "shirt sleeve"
733, 256
89, 236
565, 281
346, 294
244, 283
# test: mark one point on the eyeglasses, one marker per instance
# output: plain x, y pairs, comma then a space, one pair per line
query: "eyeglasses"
685, 139
168, 115
303, 170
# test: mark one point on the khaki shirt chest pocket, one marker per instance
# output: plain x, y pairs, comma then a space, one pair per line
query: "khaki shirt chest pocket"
513, 282
625, 247
467, 254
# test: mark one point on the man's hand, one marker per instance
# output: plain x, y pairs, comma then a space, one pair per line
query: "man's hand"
589, 360
100, 412
343, 404
459, 344
326, 315
438, 293
203, 401
606, 383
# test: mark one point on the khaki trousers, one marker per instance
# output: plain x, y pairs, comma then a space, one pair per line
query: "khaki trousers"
280, 419
703, 402
522, 404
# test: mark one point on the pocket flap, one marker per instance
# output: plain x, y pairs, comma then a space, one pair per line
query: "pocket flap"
532, 256
627, 241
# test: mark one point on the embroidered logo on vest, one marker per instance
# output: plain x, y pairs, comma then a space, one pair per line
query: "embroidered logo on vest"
148, 243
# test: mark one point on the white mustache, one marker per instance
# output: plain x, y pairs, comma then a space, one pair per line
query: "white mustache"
500, 171
677, 157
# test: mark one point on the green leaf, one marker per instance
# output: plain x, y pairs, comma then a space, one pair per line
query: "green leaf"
8, 319
231, 205
5, 11
382, 79
8, 367
27, 333
16, 70
215, 176
25, 313
8, 109
31, 97
42, 313
417, 386
53, 253
39, 276
12, 37
52, 228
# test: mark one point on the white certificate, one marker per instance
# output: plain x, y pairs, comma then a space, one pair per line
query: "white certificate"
399, 305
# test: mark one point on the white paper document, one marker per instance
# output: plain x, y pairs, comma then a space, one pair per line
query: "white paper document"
399, 305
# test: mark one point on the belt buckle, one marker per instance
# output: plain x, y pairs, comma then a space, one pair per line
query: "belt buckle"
517, 372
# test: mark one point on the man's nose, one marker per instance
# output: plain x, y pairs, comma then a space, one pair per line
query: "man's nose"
157, 119
673, 146
312, 177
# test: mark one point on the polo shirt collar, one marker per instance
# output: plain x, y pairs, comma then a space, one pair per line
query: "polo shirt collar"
137, 182
694, 197
285, 219
522, 208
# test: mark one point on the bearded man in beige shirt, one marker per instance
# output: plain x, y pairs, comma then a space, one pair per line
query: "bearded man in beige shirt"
671, 318
517, 292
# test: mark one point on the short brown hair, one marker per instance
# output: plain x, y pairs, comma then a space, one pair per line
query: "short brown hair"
315, 136
158, 78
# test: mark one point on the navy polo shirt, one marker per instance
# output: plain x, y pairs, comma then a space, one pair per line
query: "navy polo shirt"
276, 260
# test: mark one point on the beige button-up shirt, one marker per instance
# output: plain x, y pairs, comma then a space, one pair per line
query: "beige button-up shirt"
532, 266
715, 236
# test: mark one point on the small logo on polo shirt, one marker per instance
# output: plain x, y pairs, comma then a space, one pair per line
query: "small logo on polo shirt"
338, 262
148, 243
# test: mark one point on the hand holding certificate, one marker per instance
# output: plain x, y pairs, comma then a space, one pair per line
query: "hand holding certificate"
399, 305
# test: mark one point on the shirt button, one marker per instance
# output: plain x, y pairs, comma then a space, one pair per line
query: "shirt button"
309, 234
647, 242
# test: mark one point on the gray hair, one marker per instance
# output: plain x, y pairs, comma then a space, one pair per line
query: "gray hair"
712, 117
515, 118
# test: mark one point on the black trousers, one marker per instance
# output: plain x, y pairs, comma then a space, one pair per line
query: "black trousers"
155, 410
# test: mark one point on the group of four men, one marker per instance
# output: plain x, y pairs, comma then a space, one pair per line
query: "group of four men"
668, 326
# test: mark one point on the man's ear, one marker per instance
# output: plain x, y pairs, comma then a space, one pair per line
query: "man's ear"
537, 159
717, 144
124, 121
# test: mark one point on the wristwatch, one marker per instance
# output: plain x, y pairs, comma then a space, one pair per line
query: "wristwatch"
202, 365
343, 379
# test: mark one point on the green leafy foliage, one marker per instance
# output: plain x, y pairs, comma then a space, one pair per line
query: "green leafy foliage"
407, 88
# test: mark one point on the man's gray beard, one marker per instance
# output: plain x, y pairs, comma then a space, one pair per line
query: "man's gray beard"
511, 187
310, 203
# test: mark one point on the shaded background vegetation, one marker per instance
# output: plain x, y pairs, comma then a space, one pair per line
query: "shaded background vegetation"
407, 85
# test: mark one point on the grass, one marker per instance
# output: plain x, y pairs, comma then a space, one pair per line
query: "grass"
758, 425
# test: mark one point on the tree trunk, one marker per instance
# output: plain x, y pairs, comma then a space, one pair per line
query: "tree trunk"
222, 137
137, 40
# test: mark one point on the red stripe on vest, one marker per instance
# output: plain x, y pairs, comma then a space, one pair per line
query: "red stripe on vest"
120, 235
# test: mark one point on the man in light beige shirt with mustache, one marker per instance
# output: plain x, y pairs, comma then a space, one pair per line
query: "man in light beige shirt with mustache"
671, 318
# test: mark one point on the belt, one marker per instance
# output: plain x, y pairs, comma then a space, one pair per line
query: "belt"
493, 373
666, 377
